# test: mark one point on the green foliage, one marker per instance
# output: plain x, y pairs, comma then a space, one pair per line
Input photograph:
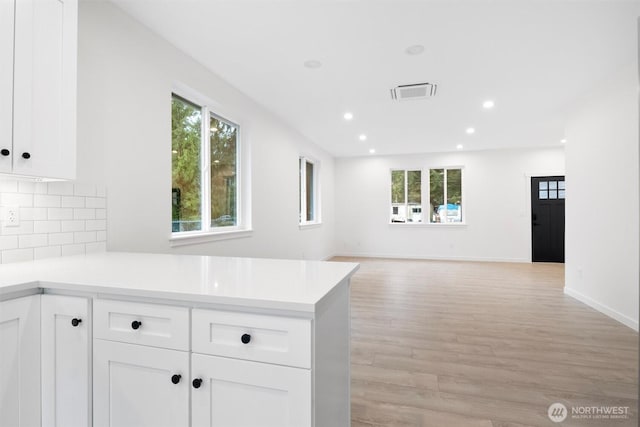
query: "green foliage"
414, 186
186, 128
397, 186
224, 137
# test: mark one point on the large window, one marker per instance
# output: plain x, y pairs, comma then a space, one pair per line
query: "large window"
441, 187
309, 194
205, 169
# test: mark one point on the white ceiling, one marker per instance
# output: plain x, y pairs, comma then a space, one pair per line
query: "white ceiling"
534, 58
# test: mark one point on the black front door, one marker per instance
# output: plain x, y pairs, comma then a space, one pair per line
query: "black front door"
547, 218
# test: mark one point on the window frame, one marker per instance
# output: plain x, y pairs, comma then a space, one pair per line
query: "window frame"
302, 192
209, 109
425, 187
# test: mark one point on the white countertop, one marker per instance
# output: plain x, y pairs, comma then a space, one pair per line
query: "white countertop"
247, 282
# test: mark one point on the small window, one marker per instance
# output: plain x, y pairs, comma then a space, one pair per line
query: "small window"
445, 195
309, 195
406, 196
205, 171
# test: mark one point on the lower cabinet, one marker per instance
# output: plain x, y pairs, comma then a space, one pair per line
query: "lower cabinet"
136, 385
237, 393
66, 379
20, 362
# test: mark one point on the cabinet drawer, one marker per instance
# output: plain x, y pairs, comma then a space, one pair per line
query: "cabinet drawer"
270, 339
147, 324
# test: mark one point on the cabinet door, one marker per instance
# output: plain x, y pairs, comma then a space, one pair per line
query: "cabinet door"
44, 105
238, 393
7, 9
20, 362
65, 361
133, 386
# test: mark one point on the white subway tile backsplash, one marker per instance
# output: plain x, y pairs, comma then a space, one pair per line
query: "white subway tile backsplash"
84, 190
73, 202
84, 214
46, 226
47, 252
46, 201
72, 225
8, 186
31, 214
93, 225
56, 219
60, 238
25, 227
96, 202
84, 236
61, 188
8, 242
68, 250
32, 240
16, 199
17, 255
60, 213
26, 187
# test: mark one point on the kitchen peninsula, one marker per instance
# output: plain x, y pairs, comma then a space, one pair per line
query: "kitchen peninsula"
119, 339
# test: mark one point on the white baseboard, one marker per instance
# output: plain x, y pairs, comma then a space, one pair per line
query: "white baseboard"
429, 258
625, 320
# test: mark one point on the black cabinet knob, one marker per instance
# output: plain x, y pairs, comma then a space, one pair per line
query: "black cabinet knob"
245, 338
5, 152
176, 378
197, 383
75, 322
26, 156
136, 324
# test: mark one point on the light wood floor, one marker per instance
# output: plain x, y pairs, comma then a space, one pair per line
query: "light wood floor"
481, 344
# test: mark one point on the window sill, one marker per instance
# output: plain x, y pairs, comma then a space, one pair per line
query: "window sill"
184, 239
309, 225
428, 224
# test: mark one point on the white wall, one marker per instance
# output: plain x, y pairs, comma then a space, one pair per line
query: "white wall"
496, 193
602, 206
126, 74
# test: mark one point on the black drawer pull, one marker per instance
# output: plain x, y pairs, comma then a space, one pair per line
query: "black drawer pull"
245, 338
136, 324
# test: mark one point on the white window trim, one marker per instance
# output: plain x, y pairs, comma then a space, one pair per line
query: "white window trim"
317, 221
426, 195
211, 108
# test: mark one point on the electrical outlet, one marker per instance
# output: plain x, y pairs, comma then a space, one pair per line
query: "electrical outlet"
11, 216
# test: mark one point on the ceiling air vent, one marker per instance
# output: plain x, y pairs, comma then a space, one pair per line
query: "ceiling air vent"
414, 91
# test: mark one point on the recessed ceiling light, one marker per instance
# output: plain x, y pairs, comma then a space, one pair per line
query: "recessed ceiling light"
372, 151
416, 49
562, 141
459, 147
348, 116
488, 104
363, 137
313, 64
471, 131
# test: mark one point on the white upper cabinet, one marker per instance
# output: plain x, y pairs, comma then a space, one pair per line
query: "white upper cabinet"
39, 128
7, 11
